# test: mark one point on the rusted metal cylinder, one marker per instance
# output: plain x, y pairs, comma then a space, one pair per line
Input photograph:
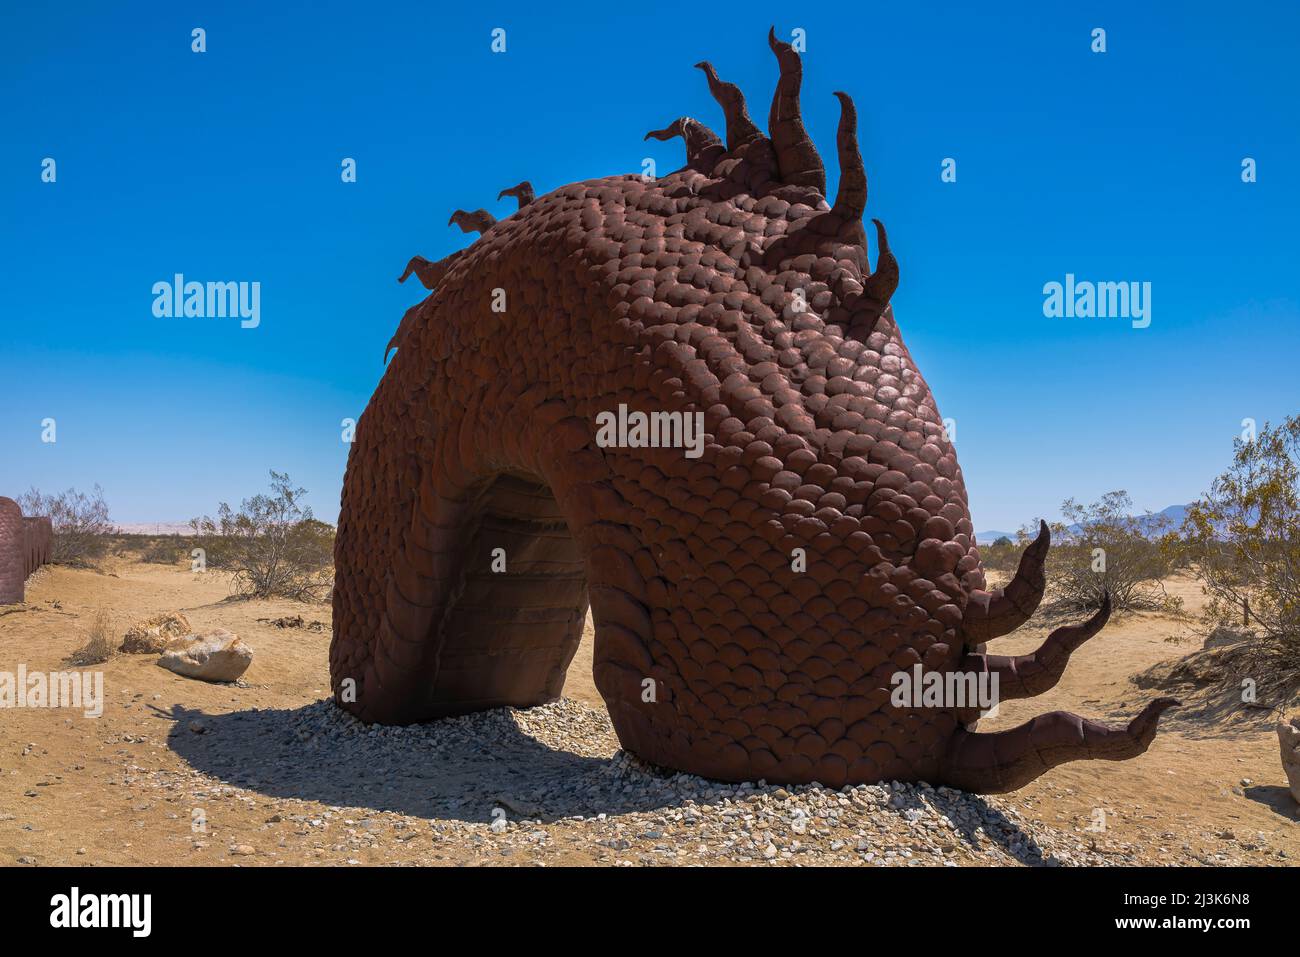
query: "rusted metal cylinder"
12, 552
37, 537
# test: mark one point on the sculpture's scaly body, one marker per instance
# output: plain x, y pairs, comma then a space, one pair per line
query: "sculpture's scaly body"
731, 288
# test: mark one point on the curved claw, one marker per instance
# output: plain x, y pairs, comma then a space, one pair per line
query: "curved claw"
699, 138
796, 155
1023, 676
883, 281
479, 221
851, 197
522, 192
993, 614
403, 330
740, 128
993, 763
429, 274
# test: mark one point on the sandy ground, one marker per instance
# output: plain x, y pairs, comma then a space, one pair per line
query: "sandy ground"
123, 788
1204, 781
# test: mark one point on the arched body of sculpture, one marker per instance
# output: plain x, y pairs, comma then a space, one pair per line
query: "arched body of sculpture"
480, 512
24, 547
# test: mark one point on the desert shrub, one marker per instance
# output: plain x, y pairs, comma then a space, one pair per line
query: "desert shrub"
1102, 548
81, 523
216, 546
1242, 538
101, 644
272, 545
1003, 556
164, 551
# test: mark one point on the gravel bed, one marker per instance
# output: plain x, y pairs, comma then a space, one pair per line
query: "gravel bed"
549, 785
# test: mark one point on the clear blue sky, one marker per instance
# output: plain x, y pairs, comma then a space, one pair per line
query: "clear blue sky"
225, 166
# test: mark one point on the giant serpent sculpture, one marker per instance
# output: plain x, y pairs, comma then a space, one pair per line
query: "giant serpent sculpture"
480, 513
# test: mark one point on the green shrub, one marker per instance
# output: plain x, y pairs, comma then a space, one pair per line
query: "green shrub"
164, 551
272, 545
1103, 548
1242, 538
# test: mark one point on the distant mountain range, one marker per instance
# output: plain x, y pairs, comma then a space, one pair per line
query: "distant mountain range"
1174, 513
155, 528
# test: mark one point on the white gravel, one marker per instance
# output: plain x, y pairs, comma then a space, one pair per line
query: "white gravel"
549, 785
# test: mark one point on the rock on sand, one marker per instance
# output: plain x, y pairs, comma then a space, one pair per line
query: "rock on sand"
1288, 734
217, 655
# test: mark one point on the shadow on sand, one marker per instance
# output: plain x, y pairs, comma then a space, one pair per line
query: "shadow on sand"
1276, 799
462, 768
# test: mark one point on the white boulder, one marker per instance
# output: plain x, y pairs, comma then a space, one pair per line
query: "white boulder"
217, 655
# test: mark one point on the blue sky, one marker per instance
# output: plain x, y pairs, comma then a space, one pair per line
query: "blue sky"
1122, 166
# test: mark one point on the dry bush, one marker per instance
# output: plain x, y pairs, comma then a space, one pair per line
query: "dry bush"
1242, 539
1101, 548
1003, 556
164, 551
272, 545
216, 547
101, 643
81, 524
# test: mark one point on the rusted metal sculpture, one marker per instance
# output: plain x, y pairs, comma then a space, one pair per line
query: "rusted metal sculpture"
38, 539
24, 547
753, 604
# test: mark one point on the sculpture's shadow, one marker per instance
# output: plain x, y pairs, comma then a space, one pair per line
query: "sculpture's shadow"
1277, 799
998, 829
462, 770
446, 776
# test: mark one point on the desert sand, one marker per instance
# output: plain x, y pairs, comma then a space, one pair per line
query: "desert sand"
128, 787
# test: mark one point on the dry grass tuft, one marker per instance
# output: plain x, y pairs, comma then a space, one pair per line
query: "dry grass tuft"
101, 643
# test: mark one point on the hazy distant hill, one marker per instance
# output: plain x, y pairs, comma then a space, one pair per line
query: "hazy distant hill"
1175, 514
155, 528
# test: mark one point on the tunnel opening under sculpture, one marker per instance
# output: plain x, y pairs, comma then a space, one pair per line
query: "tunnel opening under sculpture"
514, 625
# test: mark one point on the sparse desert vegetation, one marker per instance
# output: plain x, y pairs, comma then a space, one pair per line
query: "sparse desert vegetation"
164, 550
82, 526
1100, 548
1242, 540
271, 544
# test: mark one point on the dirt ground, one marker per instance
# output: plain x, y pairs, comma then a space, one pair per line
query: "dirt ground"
121, 788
